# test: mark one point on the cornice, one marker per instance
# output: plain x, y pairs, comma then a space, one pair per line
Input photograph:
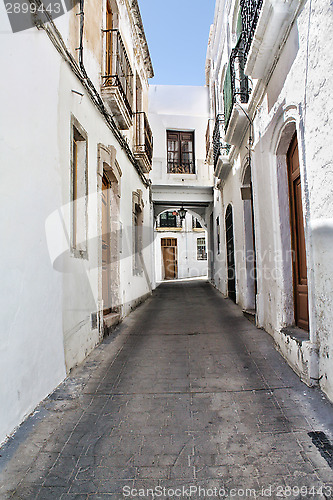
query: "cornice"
135, 11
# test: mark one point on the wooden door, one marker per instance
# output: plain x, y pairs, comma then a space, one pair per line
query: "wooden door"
169, 255
298, 238
229, 226
106, 244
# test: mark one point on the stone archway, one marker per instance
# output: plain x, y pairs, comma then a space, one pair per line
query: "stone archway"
181, 248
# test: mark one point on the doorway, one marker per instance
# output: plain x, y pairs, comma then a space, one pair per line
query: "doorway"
169, 258
229, 227
106, 245
300, 282
250, 244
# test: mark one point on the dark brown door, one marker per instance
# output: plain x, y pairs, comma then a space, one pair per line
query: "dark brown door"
169, 255
229, 227
106, 245
298, 238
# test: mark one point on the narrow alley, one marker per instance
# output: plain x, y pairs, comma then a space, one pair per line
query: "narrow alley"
185, 393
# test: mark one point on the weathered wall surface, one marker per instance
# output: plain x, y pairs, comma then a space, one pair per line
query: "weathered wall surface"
31, 345
52, 297
299, 90
294, 97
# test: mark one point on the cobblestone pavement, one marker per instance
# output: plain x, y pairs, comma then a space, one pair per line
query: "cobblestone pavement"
186, 393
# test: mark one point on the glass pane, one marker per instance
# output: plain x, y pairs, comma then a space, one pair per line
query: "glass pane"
187, 146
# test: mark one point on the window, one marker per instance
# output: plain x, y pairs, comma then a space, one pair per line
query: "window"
196, 224
201, 249
168, 219
79, 190
180, 150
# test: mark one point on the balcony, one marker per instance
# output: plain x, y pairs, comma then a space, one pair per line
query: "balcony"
117, 87
221, 150
264, 25
250, 11
236, 90
143, 141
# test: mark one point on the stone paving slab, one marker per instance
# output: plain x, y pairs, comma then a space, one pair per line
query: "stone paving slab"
185, 394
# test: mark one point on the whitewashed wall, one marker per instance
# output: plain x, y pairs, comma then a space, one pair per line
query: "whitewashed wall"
296, 96
32, 349
48, 297
179, 108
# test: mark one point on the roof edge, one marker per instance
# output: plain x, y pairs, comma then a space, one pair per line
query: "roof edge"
141, 33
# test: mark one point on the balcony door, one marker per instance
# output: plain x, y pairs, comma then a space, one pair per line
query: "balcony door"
109, 40
297, 238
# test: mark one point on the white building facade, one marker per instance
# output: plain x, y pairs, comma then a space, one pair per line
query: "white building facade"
180, 247
181, 178
271, 108
75, 205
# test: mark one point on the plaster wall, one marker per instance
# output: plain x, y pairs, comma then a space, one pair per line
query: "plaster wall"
49, 295
82, 281
31, 347
298, 91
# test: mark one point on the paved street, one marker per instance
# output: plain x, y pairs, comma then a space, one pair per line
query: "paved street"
185, 392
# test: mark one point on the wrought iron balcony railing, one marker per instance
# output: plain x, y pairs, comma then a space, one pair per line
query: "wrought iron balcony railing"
117, 68
250, 11
219, 146
236, 83
143, 138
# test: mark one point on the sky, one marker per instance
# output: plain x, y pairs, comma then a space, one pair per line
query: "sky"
177, 33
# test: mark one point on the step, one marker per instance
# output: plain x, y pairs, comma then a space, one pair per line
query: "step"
250, 314
110, 321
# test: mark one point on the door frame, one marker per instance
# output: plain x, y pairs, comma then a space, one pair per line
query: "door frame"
230, 261
175, 247
107, 164
294, 233
106, 236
